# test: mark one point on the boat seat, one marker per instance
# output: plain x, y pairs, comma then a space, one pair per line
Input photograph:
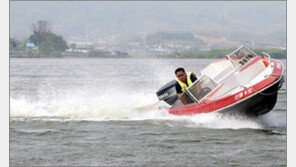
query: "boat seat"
244, 77
237, 80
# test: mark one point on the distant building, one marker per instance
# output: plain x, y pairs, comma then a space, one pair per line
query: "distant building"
119, 54
31, 46
85, 45
78, 50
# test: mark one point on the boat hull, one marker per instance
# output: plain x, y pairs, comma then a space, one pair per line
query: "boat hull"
259, 104
252, 101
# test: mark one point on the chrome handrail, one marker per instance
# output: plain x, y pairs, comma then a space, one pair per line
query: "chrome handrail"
266, 54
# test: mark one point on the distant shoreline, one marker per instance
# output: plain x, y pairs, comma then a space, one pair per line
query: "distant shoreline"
211, 54
80, 57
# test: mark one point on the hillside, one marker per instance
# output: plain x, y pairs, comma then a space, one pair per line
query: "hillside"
263, 21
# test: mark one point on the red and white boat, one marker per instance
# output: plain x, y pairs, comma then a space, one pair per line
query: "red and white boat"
242, 83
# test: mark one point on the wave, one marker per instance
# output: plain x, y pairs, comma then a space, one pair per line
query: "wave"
77, 105
122, 106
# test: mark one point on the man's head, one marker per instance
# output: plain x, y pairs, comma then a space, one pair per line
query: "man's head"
180, 74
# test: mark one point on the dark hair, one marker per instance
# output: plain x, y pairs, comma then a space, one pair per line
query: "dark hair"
179, 69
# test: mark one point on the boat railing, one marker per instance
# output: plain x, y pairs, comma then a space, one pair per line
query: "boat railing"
266, 54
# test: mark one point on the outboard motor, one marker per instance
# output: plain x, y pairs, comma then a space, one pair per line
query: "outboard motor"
168, 93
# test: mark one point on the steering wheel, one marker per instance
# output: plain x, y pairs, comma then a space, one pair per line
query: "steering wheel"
204, 91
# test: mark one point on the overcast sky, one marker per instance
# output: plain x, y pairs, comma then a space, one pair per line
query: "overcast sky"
97, 19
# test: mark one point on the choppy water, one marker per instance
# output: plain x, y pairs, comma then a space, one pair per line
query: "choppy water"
82, 112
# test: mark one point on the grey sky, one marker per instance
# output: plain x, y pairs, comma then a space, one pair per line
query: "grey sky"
91, 20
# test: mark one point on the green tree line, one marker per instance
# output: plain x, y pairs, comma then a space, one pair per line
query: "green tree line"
48, 44
221, 53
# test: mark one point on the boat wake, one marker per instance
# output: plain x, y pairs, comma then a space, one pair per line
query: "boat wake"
123, 106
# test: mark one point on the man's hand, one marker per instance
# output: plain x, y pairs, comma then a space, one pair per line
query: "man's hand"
179, 94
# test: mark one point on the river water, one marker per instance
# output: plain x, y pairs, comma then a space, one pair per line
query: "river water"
94, 112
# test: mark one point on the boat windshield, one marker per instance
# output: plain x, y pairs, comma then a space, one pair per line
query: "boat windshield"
196, 92
242, 57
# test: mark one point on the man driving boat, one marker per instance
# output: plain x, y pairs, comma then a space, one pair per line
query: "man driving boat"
184, 80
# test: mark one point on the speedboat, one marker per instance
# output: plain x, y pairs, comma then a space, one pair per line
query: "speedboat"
242, 83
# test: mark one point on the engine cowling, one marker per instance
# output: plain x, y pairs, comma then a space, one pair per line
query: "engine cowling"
168, 93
